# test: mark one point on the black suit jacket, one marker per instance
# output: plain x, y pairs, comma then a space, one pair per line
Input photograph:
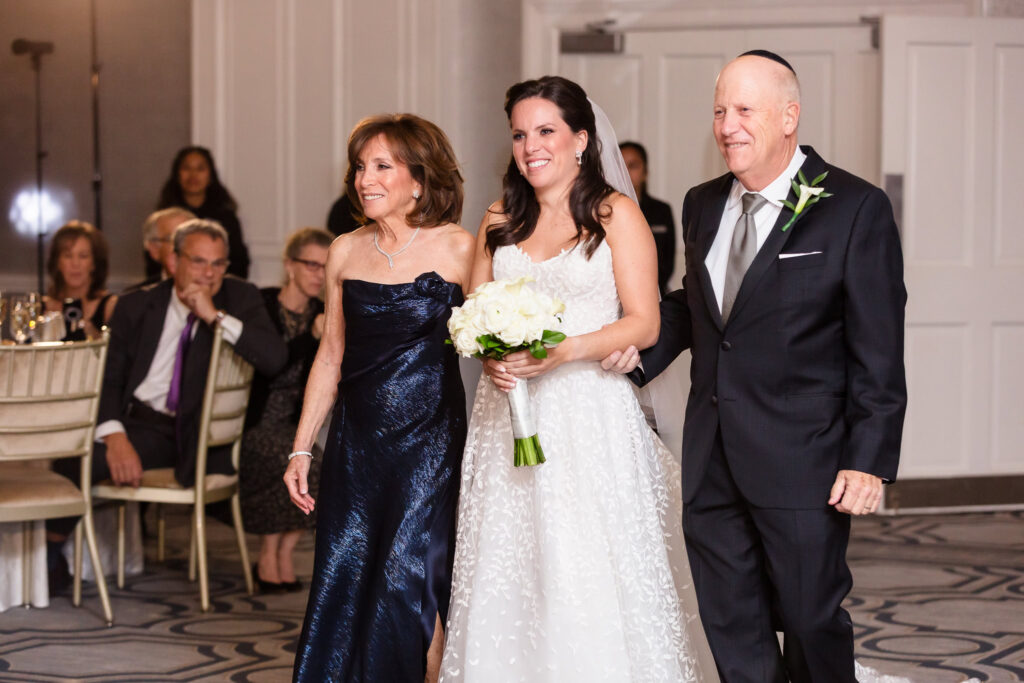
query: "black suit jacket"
807, 376
659, 216
135, 328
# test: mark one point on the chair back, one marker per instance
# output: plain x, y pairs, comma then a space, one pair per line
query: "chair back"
49, 399
225, 400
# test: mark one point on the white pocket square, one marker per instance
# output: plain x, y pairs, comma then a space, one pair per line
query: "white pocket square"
804, 253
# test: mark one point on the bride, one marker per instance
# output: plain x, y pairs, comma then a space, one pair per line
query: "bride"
572, 570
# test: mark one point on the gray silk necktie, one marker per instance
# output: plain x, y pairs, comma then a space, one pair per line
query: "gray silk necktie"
742, 252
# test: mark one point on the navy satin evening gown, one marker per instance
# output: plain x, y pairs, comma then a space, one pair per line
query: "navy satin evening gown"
389, 487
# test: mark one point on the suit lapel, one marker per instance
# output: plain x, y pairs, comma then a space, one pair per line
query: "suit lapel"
708, 228
769, 252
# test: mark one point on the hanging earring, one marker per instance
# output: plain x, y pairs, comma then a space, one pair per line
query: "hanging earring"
415, 194
579, 157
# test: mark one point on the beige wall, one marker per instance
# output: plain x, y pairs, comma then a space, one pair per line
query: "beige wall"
278, 85
144, 113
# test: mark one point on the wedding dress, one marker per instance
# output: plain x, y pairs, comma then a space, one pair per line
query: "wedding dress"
573, 570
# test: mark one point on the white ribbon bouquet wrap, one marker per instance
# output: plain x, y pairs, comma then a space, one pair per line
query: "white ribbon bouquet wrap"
502, 317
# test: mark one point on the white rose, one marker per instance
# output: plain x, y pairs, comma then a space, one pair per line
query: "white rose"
456, 321
530, 303
497, 311
487, 290
514, 331
466, 343
535, 326
514, 287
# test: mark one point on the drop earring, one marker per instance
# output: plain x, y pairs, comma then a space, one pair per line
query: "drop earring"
579, 157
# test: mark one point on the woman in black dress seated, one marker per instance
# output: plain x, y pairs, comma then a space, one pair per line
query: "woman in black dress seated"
274, 407
385, 529
195, 185
77, 265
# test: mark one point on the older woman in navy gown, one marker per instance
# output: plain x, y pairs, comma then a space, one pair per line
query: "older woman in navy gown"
389, 485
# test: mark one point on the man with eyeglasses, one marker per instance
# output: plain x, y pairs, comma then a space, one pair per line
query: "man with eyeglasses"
158, 243
160, 344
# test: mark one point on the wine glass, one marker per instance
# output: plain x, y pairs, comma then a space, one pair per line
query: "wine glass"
35, 309
22, 320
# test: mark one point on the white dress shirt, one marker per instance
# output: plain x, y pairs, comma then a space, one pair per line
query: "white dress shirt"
718, 256
154, 386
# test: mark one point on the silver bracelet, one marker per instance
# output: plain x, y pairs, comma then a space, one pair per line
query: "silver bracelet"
294, 453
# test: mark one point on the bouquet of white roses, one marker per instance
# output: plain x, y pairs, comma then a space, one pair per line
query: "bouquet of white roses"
497, 319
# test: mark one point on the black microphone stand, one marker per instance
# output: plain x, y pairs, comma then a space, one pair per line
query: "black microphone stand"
97, 175
36, 51
37, 66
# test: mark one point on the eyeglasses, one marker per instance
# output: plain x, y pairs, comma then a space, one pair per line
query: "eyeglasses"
311, 266
201, 264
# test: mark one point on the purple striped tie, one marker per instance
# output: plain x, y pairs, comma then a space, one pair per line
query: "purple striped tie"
174, 393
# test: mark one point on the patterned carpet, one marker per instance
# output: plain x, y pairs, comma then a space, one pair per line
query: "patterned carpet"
936, 598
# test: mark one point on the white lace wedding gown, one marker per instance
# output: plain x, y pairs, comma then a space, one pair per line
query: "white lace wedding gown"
572, 570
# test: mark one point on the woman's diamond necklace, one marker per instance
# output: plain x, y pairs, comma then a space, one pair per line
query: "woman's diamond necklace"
391, 257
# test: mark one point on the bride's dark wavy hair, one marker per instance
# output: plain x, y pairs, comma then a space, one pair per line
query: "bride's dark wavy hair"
589, 190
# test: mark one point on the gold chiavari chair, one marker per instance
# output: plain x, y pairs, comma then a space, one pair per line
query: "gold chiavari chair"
49, 398
222, 419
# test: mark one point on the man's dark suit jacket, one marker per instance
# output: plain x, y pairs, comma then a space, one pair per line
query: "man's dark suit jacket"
135, 331
659, 216
807, 376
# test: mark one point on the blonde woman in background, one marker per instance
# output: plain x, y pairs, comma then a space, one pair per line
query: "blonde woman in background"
275, 403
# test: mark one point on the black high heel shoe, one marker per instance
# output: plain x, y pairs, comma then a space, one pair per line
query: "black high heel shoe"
291, 586
266, 586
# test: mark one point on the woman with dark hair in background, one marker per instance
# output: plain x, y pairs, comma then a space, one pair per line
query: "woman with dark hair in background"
564, 571
385, 528
274, 407
657, 212
77, 265
195, 185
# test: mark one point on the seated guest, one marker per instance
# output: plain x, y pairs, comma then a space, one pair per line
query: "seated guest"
657, 212
158, 242
160, 344
77, 265
274, 408
195, 185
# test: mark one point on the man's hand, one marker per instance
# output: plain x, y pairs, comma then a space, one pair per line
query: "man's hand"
123, 461
622, 362
296, 479
856, 493
198, 299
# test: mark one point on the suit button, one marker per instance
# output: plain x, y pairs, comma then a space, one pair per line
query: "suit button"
726, 346
714, 400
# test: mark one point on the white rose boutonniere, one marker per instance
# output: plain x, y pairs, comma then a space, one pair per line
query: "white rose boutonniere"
809, 194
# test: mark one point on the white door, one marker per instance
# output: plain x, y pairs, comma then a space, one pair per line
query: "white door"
659, 91
954, 103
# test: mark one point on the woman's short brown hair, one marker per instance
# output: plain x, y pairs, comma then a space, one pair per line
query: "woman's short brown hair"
425, 150
67, 235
